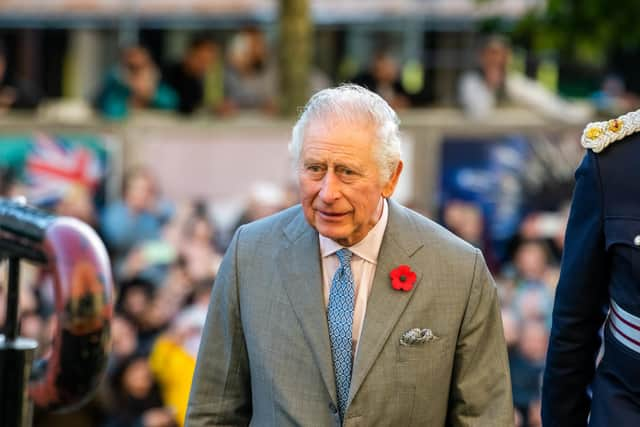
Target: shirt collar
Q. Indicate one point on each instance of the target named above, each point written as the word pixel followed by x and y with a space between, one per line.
pixel 367 248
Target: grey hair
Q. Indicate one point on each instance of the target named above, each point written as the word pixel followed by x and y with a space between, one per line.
pixel 353 103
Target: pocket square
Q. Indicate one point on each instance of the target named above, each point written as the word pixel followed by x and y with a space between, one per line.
pixel 417 336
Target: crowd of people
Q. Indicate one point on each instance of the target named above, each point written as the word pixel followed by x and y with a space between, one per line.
pixel 165 256
pixel 243 72
pixel 526 279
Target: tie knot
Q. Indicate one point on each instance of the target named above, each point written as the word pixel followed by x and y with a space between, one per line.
pixel 344 255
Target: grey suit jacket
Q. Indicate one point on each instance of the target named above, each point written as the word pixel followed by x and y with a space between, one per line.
pixel 265 357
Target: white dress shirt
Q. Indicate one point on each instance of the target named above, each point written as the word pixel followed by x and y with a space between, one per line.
pixel 363 268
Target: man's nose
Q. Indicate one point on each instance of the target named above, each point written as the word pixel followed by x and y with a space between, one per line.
pixel 330 189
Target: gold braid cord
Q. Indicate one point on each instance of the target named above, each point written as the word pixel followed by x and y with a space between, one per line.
pixel 598 135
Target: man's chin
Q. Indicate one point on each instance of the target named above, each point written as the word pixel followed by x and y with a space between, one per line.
pixel 333 234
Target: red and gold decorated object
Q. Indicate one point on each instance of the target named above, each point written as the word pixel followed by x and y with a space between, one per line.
pixel 75 257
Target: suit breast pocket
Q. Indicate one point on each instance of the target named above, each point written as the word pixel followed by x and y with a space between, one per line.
pixel 428 351
pixel 622 238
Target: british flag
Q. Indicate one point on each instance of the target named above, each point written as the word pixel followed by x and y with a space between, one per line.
pixel 55 164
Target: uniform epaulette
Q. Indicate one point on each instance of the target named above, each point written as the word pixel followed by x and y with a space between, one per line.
pixel 598 135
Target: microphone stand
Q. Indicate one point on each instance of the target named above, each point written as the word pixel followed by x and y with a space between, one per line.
pixel 16 357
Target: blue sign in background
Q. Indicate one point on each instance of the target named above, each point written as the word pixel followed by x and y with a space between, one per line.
pixel 494 173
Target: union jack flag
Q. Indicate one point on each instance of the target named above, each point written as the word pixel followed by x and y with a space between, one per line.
pixel 56 164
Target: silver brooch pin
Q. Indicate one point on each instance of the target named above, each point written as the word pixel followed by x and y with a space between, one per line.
pixel 417 336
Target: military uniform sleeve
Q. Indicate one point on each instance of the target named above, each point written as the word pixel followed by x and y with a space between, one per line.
pixel 481 385
pixel 580 306
pixel 221 391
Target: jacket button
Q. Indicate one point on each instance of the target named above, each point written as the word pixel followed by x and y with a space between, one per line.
pixel 333 408
pixel 636 240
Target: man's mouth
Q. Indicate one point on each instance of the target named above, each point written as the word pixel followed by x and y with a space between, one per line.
pixel 331 215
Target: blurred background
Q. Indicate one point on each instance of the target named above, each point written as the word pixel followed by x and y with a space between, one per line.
pixel 165 124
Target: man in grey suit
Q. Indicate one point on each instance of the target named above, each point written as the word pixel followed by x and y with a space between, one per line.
pixel 351 309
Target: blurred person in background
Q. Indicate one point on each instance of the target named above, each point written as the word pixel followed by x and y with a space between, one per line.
pixel 202 292
pixel 531 261
pixel 162 309
pixel 491 85
pixel 134 84
pixel 149 308
pixel 136 399
pixel 10 186
pixel 201 257
pixel 527 364
pixel 15 92
pixel 466 220
pixel 177 279
pixel 124 340
pixel 136 218
pixel 173 357
pixel 187 76
pixel 250 78
pixel 134 298
pixel 506 290
pixel 511 327
pixel 77 202
pixel 383 77
pixel 265 198
pixel 548 227
pixel 484 89
pixel 533 302
pixel 613 97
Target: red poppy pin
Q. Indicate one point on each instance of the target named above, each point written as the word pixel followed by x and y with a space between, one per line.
pixel 402 278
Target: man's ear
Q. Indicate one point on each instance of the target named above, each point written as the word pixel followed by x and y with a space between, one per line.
pixel 390 186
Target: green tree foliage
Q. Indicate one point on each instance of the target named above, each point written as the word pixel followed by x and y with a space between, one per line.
pixel 586 30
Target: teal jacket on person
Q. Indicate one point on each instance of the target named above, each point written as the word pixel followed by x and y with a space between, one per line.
pixel 113 99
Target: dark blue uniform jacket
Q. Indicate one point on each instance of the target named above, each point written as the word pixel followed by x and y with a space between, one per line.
pixel 601 260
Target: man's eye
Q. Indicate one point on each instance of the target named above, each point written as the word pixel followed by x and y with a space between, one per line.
pixel 315 170
pixel 346 172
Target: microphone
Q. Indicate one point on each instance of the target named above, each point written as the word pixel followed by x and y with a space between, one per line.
pixel 23 230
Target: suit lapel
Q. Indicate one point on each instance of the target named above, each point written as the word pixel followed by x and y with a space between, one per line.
pixel 301 275
pixel 385 305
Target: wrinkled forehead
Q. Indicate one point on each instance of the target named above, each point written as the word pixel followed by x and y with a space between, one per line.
pixel 331 126
pixel 329 119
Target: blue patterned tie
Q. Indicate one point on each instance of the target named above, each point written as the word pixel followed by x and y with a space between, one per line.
pixel 340 318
